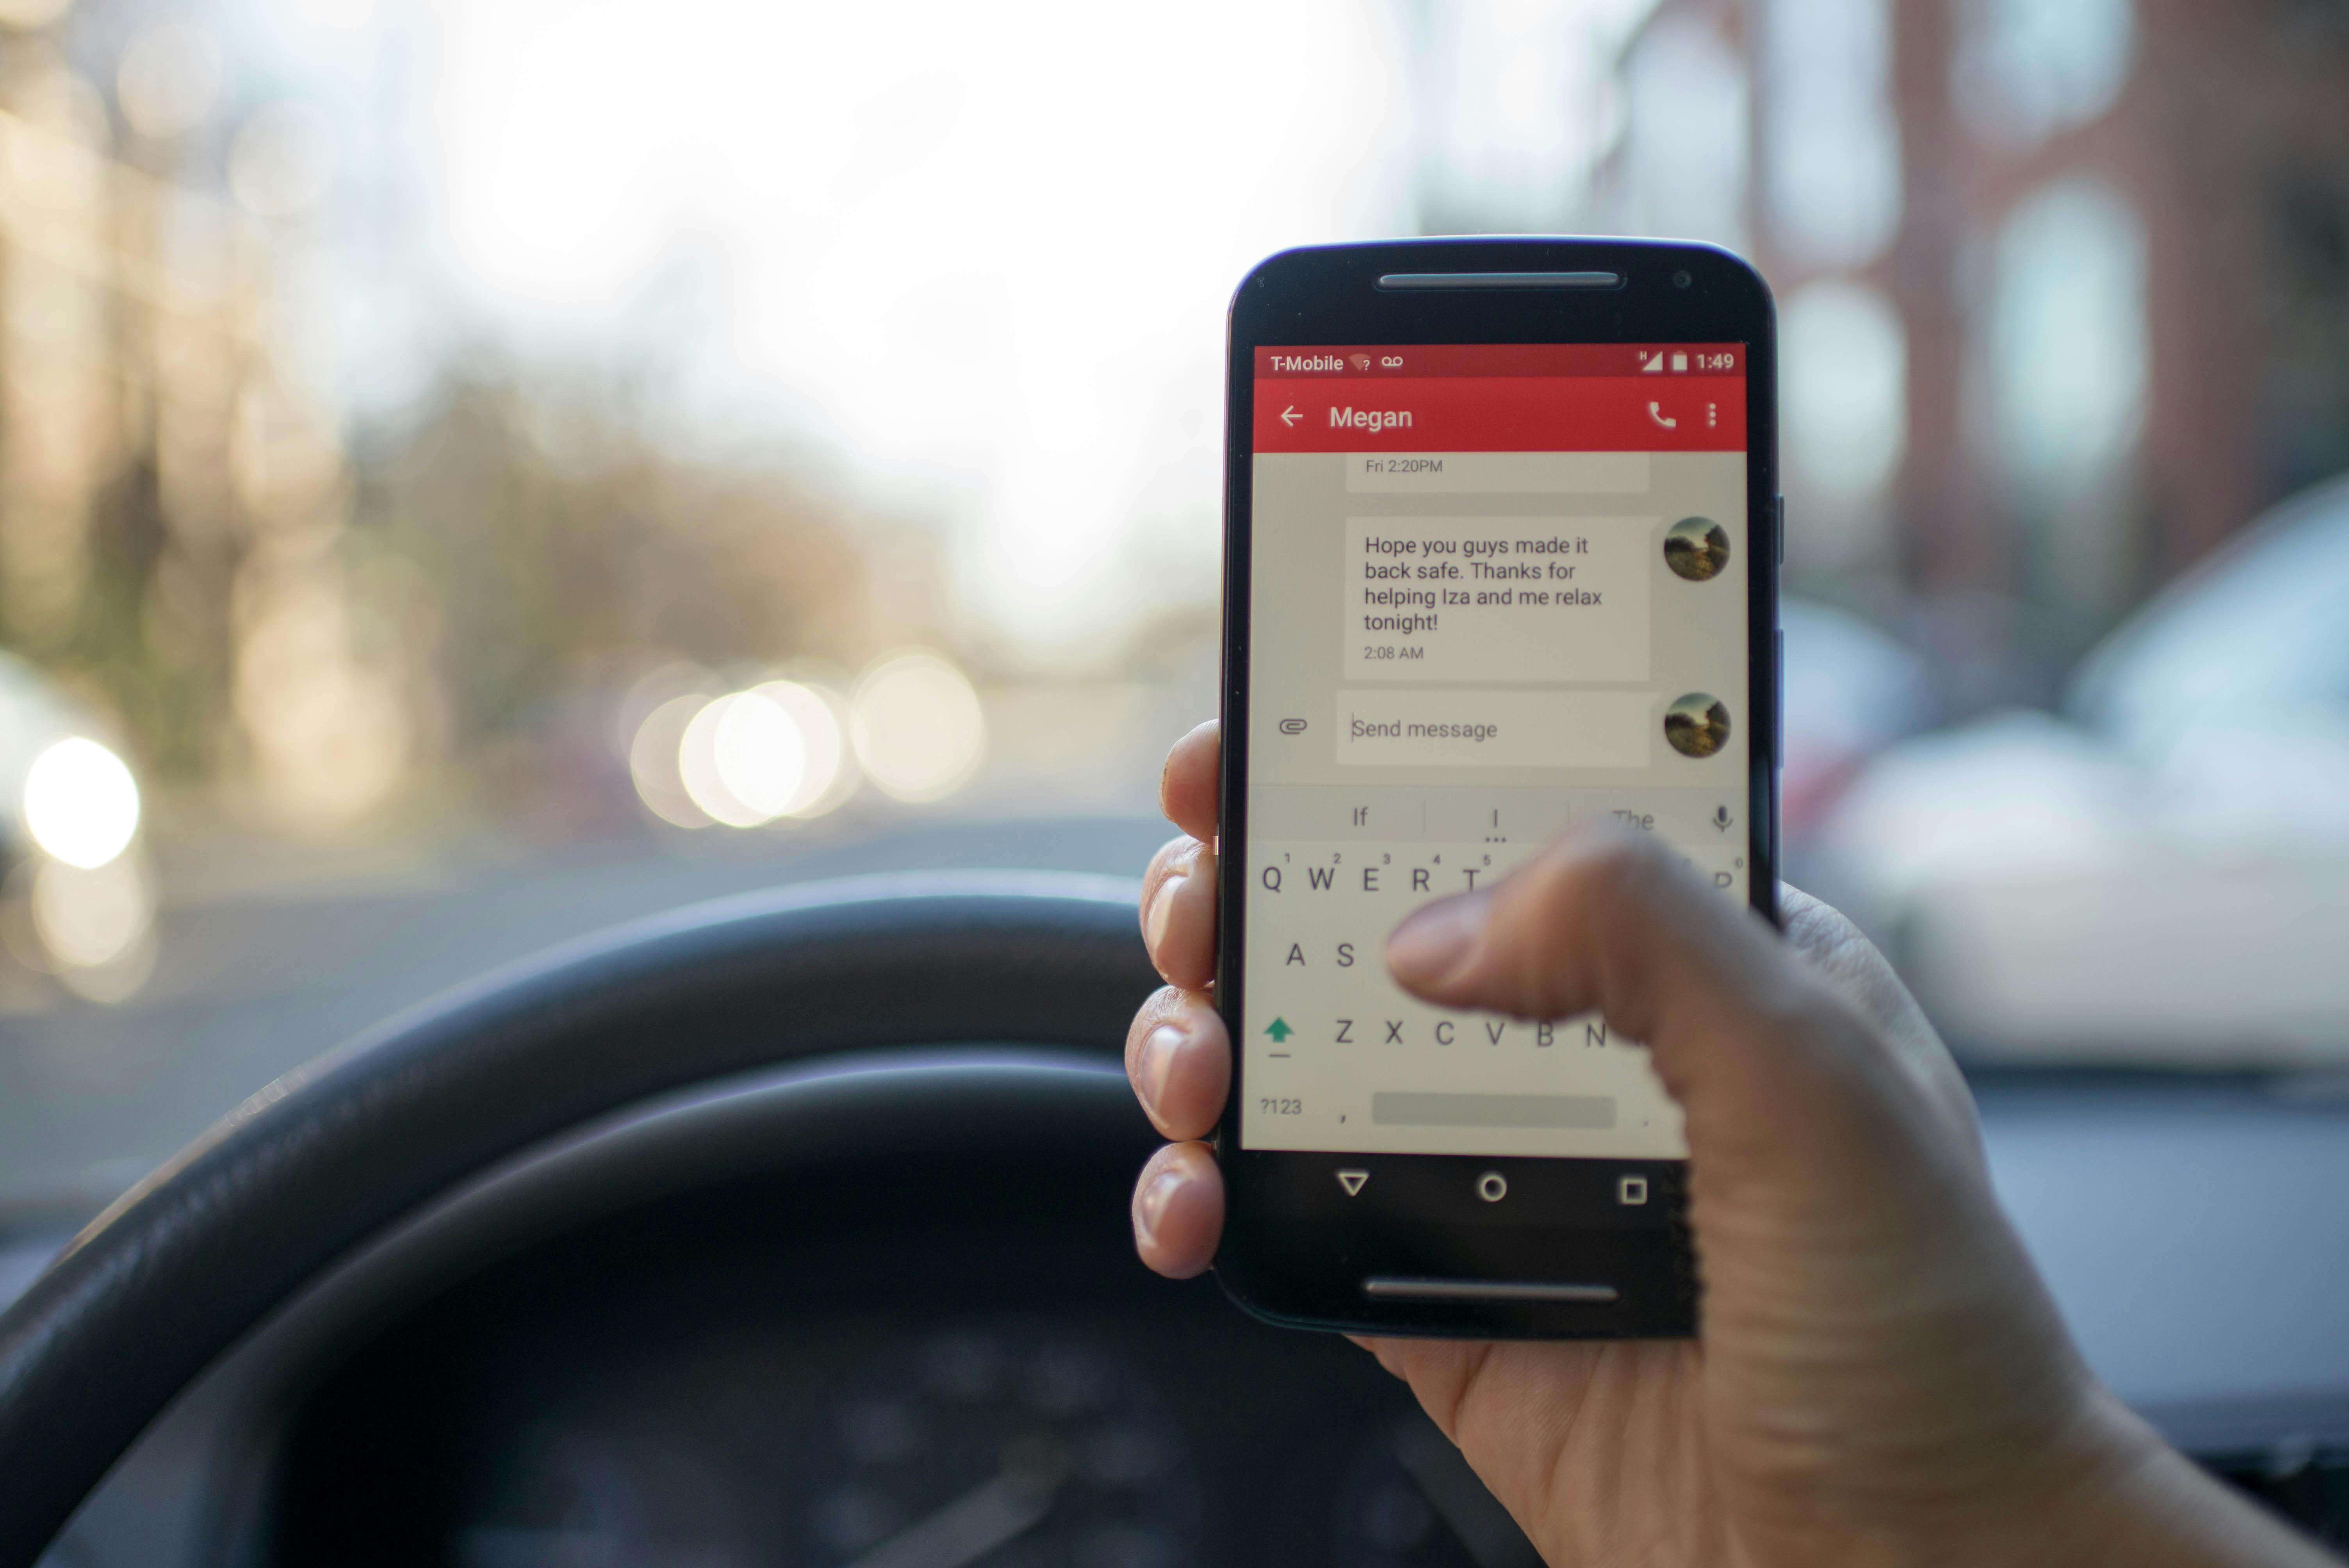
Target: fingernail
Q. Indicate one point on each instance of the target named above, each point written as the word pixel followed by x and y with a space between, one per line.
pixel 1150 1204
pixel 1432 943
pixel 1162 910
pixel 1156 1063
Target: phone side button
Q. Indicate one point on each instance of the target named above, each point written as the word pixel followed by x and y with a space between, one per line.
pixel 1391 1287
pixel 1782 531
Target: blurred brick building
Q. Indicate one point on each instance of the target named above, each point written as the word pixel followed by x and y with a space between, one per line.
pixel 2065 287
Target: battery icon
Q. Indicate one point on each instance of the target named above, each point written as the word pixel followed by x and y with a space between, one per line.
pixel 1680 364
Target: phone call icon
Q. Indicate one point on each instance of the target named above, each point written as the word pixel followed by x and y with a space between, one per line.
pixel 1656 412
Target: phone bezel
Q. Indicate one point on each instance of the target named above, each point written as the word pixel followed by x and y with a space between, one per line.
pixel 1291 1263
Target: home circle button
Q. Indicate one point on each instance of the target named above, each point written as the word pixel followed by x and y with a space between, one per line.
pixel 1492 1186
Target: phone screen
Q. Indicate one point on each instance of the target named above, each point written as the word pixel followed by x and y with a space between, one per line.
pixel 1495 590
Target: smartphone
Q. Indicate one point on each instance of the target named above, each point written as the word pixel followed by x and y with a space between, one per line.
pixel 1502 535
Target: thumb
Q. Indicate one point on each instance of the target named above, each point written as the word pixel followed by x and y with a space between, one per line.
pixel 1746 1037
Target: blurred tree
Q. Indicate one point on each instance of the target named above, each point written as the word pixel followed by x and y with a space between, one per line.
pixel 545 533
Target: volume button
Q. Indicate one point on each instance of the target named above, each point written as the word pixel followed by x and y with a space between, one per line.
pixel 1782 531
pixel 1778 707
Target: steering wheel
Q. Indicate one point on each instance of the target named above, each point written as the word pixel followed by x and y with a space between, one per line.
pixel 340 1151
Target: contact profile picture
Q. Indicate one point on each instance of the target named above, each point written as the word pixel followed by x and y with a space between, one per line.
pixel 1696 548
pixel 1697 725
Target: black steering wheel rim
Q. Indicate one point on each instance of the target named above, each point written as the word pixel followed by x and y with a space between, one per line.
pixel 171 1275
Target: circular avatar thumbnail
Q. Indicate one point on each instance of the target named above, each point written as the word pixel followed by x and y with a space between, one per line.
pixel 1697 725
pixel 1696 548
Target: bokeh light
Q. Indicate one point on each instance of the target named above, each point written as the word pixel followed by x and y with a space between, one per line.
pixel 827 777
pixel 654 756
pixel 90 917
pixel 917 725
pixel 777 750
pixel 758 752
pixel 80 804
pixel 705 783
pixel 169 78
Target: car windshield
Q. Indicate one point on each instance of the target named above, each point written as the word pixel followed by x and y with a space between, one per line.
pixel 476 471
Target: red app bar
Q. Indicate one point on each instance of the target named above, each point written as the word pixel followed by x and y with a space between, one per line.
pixel 1488 359
pixel 1639 413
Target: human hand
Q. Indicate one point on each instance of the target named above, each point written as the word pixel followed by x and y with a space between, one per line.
pixel 1881 1376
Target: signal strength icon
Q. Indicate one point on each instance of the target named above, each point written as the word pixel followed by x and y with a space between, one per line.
pixel 1652 364
pixel 1360 362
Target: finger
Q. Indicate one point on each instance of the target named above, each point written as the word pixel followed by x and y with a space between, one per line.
pixel 1174 858
pixel 1179 1060
pixel 1178 913
pixel 1178 1211
pixel 1602 919
pixel 1745 1035
pixel 1187 789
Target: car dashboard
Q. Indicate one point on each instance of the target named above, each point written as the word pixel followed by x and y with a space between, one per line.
pixel 912 1364
pixel 881 1311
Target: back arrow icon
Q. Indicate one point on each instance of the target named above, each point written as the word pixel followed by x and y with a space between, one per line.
pixel 1289 416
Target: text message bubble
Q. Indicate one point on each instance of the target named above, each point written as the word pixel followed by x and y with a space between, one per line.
pixel 1553 599
pixel 1495 729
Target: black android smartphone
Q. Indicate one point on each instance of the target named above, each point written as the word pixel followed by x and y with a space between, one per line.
pixel 1501 547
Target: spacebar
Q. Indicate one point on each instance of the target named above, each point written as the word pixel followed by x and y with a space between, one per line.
pixel 1390 1288
pixel 1390 1108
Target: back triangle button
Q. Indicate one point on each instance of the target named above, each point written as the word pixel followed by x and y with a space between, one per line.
pixel 1351 1180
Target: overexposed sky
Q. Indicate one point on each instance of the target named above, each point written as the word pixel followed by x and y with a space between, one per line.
pixel 981 254
pixel 977 257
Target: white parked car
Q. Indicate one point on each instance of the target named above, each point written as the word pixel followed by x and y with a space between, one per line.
pixel 2161 874
pixel 77 889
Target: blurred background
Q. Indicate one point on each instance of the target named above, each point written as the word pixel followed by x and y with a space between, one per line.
pixel 472 470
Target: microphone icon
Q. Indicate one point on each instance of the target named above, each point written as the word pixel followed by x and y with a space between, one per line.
pixel 1721 818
